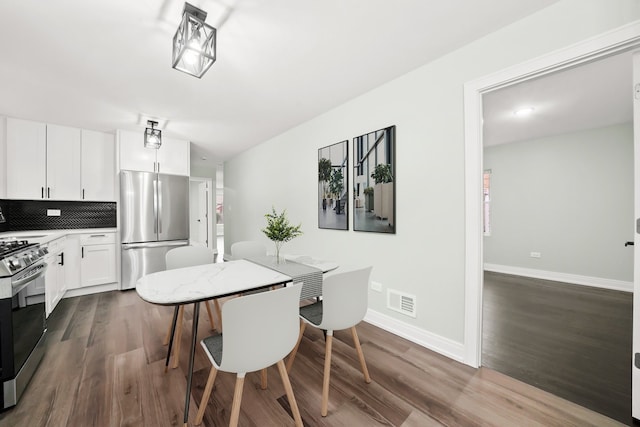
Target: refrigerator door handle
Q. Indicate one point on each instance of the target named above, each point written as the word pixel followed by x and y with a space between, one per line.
pixel 159 204
pixel 155 206
pixel 127 246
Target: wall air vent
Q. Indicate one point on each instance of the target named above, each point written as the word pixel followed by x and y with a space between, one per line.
pixel 401 302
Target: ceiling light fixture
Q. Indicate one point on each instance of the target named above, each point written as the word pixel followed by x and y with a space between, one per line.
pixel 523 112
pixel 152 136
pixel 194 45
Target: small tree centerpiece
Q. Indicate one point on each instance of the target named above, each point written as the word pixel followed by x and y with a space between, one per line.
pixel 279 230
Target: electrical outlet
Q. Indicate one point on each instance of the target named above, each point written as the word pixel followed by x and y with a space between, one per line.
pixel 535 254
pixel 376 286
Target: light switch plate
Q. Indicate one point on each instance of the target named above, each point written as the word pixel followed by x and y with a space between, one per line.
pixel 53 212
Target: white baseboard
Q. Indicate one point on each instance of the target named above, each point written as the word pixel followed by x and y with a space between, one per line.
pixel 444 346
pixel 596 282
pixel 70 293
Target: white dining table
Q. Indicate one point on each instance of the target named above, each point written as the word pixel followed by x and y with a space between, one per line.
pixel 192 285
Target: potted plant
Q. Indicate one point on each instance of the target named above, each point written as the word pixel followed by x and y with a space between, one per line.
pixel 324 174
pixel 336 186
pixel 382 173
pixel 383 191
pixel 279 230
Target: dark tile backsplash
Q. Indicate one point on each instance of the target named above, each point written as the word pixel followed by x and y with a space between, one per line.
pixel 26 215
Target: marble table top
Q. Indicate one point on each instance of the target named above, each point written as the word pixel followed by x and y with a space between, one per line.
pixel 203 282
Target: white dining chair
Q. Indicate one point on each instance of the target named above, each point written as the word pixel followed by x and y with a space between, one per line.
pixel 187 256
pixel 248 249
pixel 259 331
pixel 343 305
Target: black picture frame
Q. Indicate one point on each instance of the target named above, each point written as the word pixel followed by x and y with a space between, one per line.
pixel 374 181
pixel 333 186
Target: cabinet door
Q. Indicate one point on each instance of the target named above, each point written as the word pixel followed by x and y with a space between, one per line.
pixel 61 279
pixel 26 159
pixel 50 283
pixel 98 265
pixel 63 163
pixel 173 157
pixel 133 154
pixel 98 166
pixel 72 261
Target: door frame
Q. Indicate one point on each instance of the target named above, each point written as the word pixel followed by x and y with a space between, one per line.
pixel 209 182
pixel 618 40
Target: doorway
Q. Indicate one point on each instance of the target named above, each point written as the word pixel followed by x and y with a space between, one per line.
pixel 200 204
pixel 611 43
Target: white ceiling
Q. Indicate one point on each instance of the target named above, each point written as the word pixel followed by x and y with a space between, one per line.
pixel 101 64
pixel 588 96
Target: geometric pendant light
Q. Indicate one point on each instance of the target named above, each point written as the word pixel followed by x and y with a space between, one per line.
pixel 194 44
pixel 152 136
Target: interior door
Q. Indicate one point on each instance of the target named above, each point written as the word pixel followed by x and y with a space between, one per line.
pixel 203 205
pixel 636 257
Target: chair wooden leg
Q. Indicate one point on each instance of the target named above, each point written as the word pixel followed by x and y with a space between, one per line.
pixel 218 312
pixel 205 396
pixel 292 400
pixel 363 364
pixel 263 379
pixel 178 338
pixel 207 305
pixel 327 374
pixel 237 399
pixel 292 355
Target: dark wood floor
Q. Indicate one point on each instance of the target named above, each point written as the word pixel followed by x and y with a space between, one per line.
pixel 573 341
pixel 104 367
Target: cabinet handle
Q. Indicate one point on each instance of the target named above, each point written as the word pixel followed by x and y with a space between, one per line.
pixel 83 194
pixel 82 250
pixel 158 167
pixel 42 192
pixel 61 258
pixel 48 192
pixel 98 235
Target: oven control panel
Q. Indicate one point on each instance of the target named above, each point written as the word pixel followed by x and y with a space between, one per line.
pixel 20 258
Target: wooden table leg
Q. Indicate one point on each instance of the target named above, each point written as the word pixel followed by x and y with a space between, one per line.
pixel 194 333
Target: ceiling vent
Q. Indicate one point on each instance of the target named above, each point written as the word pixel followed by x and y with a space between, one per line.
pixel 401 302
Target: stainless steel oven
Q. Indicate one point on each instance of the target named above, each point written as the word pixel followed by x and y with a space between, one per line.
pixel 22 325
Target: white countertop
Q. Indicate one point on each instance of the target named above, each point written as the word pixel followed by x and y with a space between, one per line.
pixel 203 282
pixel 45 236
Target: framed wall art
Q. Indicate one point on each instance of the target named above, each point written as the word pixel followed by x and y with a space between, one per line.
pixel 374 181
pixel 333 186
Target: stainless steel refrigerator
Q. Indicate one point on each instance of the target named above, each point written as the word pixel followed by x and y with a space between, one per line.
pixel 154 218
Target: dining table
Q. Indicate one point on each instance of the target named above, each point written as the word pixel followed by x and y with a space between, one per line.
pixel 193 285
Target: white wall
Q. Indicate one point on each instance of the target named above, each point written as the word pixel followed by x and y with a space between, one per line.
pixel 426 256
pixel 568 197
pixel 3 158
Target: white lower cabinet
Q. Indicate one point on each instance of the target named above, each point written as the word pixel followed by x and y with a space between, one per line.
pixel 75 261
pixel 54 279
pixel 97 259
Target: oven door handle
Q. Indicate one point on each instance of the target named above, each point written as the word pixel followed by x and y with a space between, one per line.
pixel 21 283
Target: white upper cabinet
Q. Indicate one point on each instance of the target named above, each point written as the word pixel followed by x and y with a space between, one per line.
pixel 26 146
pixel 63 163
pixel 172 157
pixel 133 154
pixel 98 170
pixel 54 162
